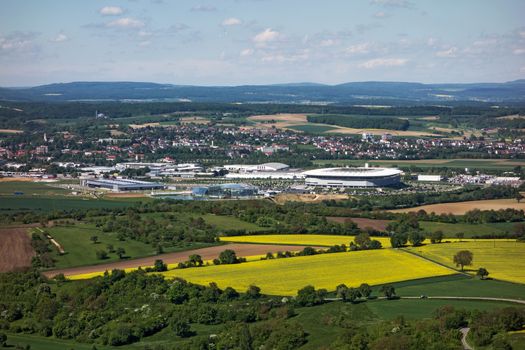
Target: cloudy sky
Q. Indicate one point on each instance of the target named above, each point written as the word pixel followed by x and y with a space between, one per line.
pixel 233 42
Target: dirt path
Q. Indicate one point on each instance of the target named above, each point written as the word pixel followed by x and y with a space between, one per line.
pixel 15 249
pixel 209 253
pixel 464 332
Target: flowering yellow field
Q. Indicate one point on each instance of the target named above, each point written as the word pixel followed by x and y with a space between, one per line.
pixel 503 259
pixel 322 240
pixel 314 240
pixel 286 276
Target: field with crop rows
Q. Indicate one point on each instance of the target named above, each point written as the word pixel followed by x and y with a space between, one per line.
pixel 286 276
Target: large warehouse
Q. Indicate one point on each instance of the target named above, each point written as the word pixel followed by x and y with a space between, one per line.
pixel 118 185
pixel 353 177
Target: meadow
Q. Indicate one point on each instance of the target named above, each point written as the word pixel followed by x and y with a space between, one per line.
pixel 502 258
pixel 496 164
pixel 80 250
pixel 286 276
pixel 460 208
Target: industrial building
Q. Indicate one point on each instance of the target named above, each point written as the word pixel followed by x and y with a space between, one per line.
pixel 119 185
pixel 243 168
pixel 353 177
pixel 225 191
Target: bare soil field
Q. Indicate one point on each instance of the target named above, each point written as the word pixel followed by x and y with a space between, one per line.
pixel 16 179
pixel 117 133
pixel 194 120
pixel 10 131
pixel 209 253
pixel 461 208
pixel 431 117
pixel 282 117
pixel 308 198
pixel 15 249
pixel 141 126
pixel 510 117
pixel 342 130
pixel 362 223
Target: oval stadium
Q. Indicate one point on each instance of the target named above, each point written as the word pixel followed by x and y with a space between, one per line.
pixel 353 177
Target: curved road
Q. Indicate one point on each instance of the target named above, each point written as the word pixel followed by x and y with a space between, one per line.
pixel 464 332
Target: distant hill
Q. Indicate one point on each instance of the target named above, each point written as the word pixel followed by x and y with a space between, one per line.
pixel 356 92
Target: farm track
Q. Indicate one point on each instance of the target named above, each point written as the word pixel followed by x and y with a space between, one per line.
pixel 209 253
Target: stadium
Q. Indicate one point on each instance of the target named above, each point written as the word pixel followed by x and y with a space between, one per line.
pixel 353 177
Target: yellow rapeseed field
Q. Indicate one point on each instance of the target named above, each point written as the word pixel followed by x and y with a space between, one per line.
pixel 320 240
pixel 286 276
pixel 314 240
pixel 503 259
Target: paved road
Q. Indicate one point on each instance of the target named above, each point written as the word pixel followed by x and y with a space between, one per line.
pixel 464 333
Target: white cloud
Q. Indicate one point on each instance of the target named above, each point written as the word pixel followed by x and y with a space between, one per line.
pixel 393 3
pixel 519 51
pixel 448 53
pixel 126 22
pixel 266 36
pixel 16 42
pixel 358 49
pixel 111 11
pixel 383 62
pixel 203 8
pixel 431 42
pixel 522 34
pixel 59 38
pixel 380 14
pixel 328 42
pixel 246 52
pixel 232 21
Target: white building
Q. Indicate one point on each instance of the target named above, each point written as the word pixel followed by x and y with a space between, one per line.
pixel 353 177
pixel 429 178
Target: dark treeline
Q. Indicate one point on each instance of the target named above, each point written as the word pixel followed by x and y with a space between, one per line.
pixel 361 122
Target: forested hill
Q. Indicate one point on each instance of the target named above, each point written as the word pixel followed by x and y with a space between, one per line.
pixel 389 93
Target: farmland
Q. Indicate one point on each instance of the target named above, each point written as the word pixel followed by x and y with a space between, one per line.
pixel 286 276
pixel 503 259
pixel 460 208
pixel 314 240
pixel 498 164
pixel 15 249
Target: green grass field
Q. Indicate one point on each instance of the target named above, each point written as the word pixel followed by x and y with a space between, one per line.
pixel 312 128
pixel 16 203
pixel 469 230
pixel 495 164
pixel 80 250
pixel 28 188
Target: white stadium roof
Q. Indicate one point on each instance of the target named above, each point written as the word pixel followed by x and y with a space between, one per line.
pixel 353 172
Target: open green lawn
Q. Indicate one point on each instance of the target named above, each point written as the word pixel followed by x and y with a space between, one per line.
pixel 28 188
pixel 461 286
pixel 496 164
pixel 41 343
pixel 22 203
pixel 80 250
pixel 312 128
pixel 469 230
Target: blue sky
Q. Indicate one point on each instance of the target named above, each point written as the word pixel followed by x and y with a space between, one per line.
pixel 233 42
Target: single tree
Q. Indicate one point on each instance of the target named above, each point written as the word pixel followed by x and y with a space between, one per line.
pixel 228 256
pixel 102 254
pixel 120 252
pixel 365 290
pixel 195 260
pixel 416 238
pixel 482 273
pixel 341 291
pixel 352 294
pixel 94 239
pixel 436 236
pixel 362 240
pixel 519 197
pixel 463 258
pixel 180 327
pixel 160 266
pixel 388 291
pixel 253 292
